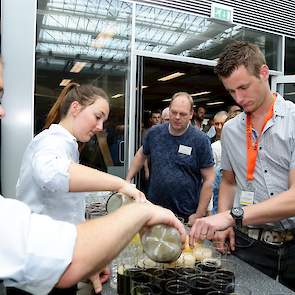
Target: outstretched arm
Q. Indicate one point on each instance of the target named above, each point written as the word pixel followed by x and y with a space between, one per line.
pixel 85 179
pixel 136 164
pixel 276 208
pixel 100 240
pixel 208 175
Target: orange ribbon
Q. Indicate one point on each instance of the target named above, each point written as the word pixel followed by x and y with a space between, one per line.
pixel 252 150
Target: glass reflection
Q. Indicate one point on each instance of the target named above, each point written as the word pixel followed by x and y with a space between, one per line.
pixel 85 42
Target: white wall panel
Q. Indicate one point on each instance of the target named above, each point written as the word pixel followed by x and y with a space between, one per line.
pixel 18 51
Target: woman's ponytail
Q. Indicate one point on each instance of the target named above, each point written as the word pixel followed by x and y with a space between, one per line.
pixel 54 115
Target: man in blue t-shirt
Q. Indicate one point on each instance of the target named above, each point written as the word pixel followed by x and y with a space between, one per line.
pixel 182 173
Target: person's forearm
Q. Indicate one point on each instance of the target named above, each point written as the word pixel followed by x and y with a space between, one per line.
pixel 136 164
pixel 86 179
pixel 277 208
pixel 101 239
pixel 226 196
pixel 205 197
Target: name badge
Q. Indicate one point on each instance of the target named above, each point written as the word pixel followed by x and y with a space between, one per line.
pixel 247 198
pixel 186 150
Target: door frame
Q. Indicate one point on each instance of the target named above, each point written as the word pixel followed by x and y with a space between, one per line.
pixel 132 86
pixel 283 79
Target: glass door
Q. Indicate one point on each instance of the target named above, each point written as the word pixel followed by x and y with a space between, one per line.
pixel 285 85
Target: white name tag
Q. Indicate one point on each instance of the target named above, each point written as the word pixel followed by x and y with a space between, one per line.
pixel 186 150
pixel 247 198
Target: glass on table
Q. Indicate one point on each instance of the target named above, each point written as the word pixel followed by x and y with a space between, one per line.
pixel 141 290
pixel 177 287
pixel 221 285
pixel 161 276
pixel 229 266
pixel 207 253
pixel 222 248
pixel 199 284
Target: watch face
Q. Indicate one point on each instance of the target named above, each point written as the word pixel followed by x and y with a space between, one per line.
pixel 237 211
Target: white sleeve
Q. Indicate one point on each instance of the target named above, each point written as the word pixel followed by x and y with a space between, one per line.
pixel 35 250
pixel 50 169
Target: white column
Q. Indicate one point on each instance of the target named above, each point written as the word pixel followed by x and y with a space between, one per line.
pixel 18 52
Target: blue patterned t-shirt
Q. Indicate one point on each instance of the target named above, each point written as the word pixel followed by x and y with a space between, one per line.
pixel 175 178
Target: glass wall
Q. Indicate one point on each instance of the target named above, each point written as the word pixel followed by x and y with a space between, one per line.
pixel 290 56
pixel 85 42
pixel 90 42
pixel 168 31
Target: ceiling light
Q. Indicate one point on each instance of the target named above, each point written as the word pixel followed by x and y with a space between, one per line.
pixel 65 82
pixel 118 95
pixel 214 103
pixel 201 93
pixel 172 76
pixel 167 99
pixel 143 87
pixel 78 66
pixel 289 93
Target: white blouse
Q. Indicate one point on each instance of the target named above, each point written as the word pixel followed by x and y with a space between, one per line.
pixel 43 183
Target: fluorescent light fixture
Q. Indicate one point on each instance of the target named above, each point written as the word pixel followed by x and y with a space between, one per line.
pixel 118 95
pixel 289 93
pixel 65 82
pixel 201 93
pixel 214 103
pixel 103 36
pixel 172 76
pixel 167 99
pixel 143 87
pixel 78 66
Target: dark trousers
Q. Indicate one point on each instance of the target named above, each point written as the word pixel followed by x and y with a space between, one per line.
pixel 274 261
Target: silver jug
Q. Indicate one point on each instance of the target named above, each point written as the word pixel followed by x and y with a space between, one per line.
pixel 162 243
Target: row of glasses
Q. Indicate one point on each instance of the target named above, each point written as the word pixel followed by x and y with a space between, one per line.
pixel 197 280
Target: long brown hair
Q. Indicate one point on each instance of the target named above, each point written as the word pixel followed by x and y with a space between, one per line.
pixel 84 94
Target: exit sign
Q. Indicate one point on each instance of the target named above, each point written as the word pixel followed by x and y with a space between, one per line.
pixel 222 12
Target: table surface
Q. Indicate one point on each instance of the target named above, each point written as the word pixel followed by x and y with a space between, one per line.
pixel 259 283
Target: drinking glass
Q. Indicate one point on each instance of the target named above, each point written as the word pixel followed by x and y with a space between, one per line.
pixel 141 290
pixel 177 287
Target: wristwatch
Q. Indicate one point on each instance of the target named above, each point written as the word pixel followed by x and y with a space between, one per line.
pixel 237 214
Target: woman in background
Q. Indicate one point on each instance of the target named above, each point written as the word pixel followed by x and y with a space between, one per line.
pixel 51 180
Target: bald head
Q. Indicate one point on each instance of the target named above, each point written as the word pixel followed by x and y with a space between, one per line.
pixel 219 120
pixel 180 112
pixel 165 115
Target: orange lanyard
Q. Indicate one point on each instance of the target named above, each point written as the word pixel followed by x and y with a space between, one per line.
pixel 252 150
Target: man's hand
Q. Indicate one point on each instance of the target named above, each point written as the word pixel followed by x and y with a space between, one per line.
pixel 160 215
pixel 131 191
pixel 205 228
pixel 99 278
pixel 222 237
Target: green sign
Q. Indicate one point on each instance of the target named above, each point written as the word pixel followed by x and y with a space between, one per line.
pixel 222 12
